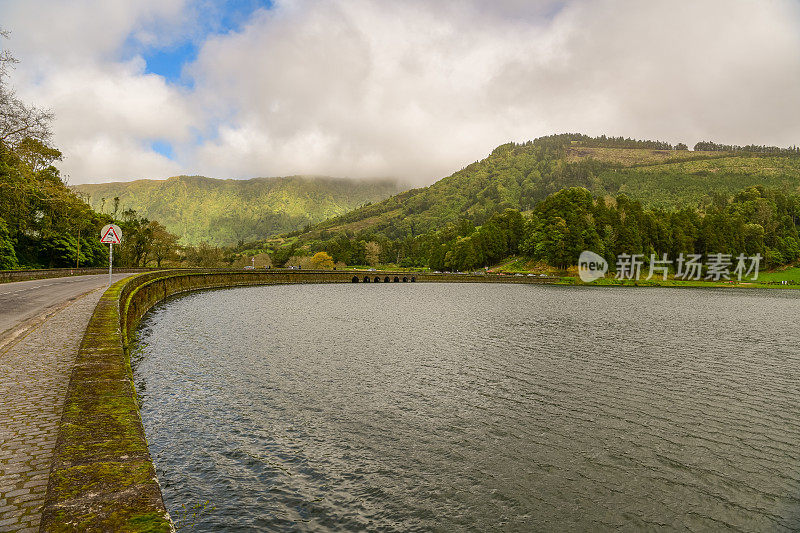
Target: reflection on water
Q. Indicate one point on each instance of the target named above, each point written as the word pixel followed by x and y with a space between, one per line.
pixel 456 406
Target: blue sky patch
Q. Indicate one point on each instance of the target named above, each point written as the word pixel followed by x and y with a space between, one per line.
pixel 217 17
pixel 164 148
pixel 168 62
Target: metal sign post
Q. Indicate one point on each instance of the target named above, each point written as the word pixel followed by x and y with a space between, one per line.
pixel 111 234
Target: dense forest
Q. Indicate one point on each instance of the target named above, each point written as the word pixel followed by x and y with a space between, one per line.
pixel 519 176
pixel 226 212
pixel 754 221
pixel 551 198
pixel 752 148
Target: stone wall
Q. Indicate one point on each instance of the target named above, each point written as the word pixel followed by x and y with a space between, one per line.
pixel 102 478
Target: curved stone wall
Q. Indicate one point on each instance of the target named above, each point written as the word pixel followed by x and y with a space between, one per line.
pixel 102 478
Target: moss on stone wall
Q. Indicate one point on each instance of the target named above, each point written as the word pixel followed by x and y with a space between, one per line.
pixel 102 477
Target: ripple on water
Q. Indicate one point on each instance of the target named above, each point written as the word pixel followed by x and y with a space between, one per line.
pixel 425 406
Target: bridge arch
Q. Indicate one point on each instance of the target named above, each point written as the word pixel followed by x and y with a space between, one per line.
pixel 366 279
pixel 355 279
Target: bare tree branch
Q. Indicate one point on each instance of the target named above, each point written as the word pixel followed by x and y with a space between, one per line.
pixel 18 120
pixel 6 59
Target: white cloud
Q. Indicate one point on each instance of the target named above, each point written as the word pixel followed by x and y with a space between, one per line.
pixel 417 89
pixel 77 31
pixel 412 89
pixel 108 110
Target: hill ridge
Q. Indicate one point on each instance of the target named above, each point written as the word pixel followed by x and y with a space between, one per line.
pixel 228 211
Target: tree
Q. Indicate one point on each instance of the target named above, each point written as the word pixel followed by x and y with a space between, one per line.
pixel 204 255
pixel 681 146
pixel 45 224
pixel 36 154
pixel 8 258
pixel 164 244
pixel 137 241
pixel 322 261
pixel 372 253
pixel 282 254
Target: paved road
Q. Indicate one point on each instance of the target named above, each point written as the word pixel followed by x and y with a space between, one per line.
pixel 21 301
pixel 41 326
pixel 34 375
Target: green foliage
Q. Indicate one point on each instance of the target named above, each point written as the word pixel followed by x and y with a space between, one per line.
pixel 188 516
pixel 752 148
pixel 756 220
pixel 8 257
pixel 571 192
pixel 227 212
pixel 519 176
pixel 280 256
pixel 204 255
pixel 45 223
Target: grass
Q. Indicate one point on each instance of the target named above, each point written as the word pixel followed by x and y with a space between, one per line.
pixel 523 265
pixel 771 280
pixel 791 273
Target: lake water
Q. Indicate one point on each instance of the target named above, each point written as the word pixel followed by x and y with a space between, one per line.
pixel 419 407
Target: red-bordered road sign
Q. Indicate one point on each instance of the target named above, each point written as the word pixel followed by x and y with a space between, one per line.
pixel 111 234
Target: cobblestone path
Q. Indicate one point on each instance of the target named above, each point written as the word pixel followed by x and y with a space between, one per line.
pixel 34 374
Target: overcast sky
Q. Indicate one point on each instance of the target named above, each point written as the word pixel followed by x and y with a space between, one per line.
pixel 413 89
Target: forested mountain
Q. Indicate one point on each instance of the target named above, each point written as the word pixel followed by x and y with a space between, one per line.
pixel 548 199
pixel 224 212
pixel 519 176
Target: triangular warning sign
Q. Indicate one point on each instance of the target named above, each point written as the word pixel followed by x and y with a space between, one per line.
pixel 110 237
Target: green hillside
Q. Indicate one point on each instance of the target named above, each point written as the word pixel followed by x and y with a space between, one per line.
pixel 544 201
pixel 224 212
pixel 519 176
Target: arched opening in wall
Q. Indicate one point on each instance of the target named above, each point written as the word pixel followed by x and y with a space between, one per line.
pixel 355 279
pixel 413 279
pixel 405 279
pixel 386 279
pixel 366 279
pixel 377 279
pixel 396 279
